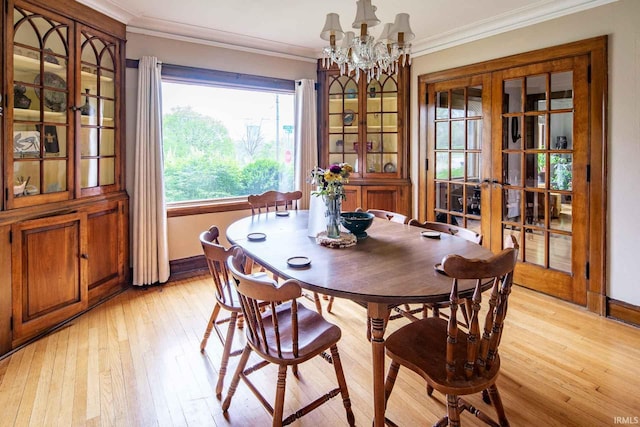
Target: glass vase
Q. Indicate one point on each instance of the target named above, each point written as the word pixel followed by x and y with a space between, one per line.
pixel 333 203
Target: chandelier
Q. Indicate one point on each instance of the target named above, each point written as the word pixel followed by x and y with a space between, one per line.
pixel 364 53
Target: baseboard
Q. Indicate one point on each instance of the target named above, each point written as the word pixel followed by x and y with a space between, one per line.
pixel 187 267
pixel 626 312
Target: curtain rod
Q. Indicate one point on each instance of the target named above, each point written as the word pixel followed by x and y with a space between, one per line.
pixel 182 72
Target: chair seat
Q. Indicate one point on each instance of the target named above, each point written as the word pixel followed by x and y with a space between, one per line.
pixel 421 347
pixel 315 334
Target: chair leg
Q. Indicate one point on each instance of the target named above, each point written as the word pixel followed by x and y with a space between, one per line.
pixel 497 403
pixel 330 305
pixel 280 389
pixel 316 299
pixel 344 391
pixel 228 343
pixel 390 381
pixel 429 390
pixel 207 332
pixel 236 377
pixel 452 410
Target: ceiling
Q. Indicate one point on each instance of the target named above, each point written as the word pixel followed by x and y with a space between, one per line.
pixel 291 28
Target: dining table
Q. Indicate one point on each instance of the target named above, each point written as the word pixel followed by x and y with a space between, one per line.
pixel 394 265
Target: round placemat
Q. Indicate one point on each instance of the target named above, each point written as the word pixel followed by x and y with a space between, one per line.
pixel 344 241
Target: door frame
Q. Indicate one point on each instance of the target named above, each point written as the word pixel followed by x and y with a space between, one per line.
pixel 596 49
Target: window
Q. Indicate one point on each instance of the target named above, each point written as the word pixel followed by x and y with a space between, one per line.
pixel 221 142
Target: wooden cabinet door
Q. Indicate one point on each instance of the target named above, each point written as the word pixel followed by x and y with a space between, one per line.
pixel 106 250
pixel 386 197
pixel 353 198
pixel 49 282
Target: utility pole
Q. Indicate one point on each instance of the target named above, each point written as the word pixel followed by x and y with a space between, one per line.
pixel 277 128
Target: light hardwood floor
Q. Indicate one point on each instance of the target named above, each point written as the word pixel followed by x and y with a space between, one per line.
pixel 135 361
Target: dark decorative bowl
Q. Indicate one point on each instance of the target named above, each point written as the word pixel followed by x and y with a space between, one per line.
pixel 357 222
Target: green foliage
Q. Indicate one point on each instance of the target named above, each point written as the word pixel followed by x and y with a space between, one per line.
pixel 187 133
pixel 260 176
pixel 200 161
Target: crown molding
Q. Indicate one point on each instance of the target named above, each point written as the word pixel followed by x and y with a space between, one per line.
pixel 226 40
pixel 518 18
pixel 540 11
pixel 111 9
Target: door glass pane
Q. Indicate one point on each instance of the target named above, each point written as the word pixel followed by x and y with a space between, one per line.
pixel 457 135
pixel 535 170
pixel 26 178
pixel 511 206
pixel 560 252
pixel 442 196
pixel 512 100
pixel 473 199
pixel 89 177
pixel 512 168
pixel 474 167
pixel 107 171
pixel 561 171
pixel 55 176
pixel 535 135
pixel 536 98
pixel 442 165
pixel 534 246
pixel 442 105
pixel 442 135
pixel 456 200
pixel 474 101
pixel 562 90
pixel 561 211
pixel 474 134
pixel 512 133
pixel 457 165
pixel 561 127
pixel 534 208
pixel 457 103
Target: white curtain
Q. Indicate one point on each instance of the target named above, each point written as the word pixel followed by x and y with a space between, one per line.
pixel 150 249
pixel 306 138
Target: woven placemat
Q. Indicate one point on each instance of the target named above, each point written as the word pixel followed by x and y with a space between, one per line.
pixel 344 241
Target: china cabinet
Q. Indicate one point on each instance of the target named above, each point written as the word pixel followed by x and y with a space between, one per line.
pixel 64 214
pixel 365 123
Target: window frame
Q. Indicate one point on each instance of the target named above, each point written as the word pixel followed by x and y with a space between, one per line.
pixel 223 79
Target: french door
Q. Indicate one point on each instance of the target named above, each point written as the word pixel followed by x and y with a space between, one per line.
pixel 508 153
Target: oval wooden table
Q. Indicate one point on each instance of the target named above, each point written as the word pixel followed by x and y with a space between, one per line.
pixel 393 266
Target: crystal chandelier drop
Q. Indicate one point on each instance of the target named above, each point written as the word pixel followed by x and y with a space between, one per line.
pixel 364 53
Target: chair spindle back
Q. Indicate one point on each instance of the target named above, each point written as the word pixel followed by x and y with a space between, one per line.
pixel 258 293
pixel 274 199
pixel 480 352
pixel 455 230
pixel 216 256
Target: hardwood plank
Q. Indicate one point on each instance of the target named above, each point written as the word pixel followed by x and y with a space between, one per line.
pixel 136 361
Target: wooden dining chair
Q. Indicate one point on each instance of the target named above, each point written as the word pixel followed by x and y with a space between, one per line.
pixel 226 299
pixel 452 361
pixel 391 216
pixel 285 334
pixel 455 230
pixel 273 200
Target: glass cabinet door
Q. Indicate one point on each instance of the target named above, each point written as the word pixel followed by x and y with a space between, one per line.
pixel 38 108
pixel 344 116
pixel 382 125
pixel 363 124
pixel 97 138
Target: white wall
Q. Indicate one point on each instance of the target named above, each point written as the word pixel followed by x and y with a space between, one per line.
pixel 621 21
